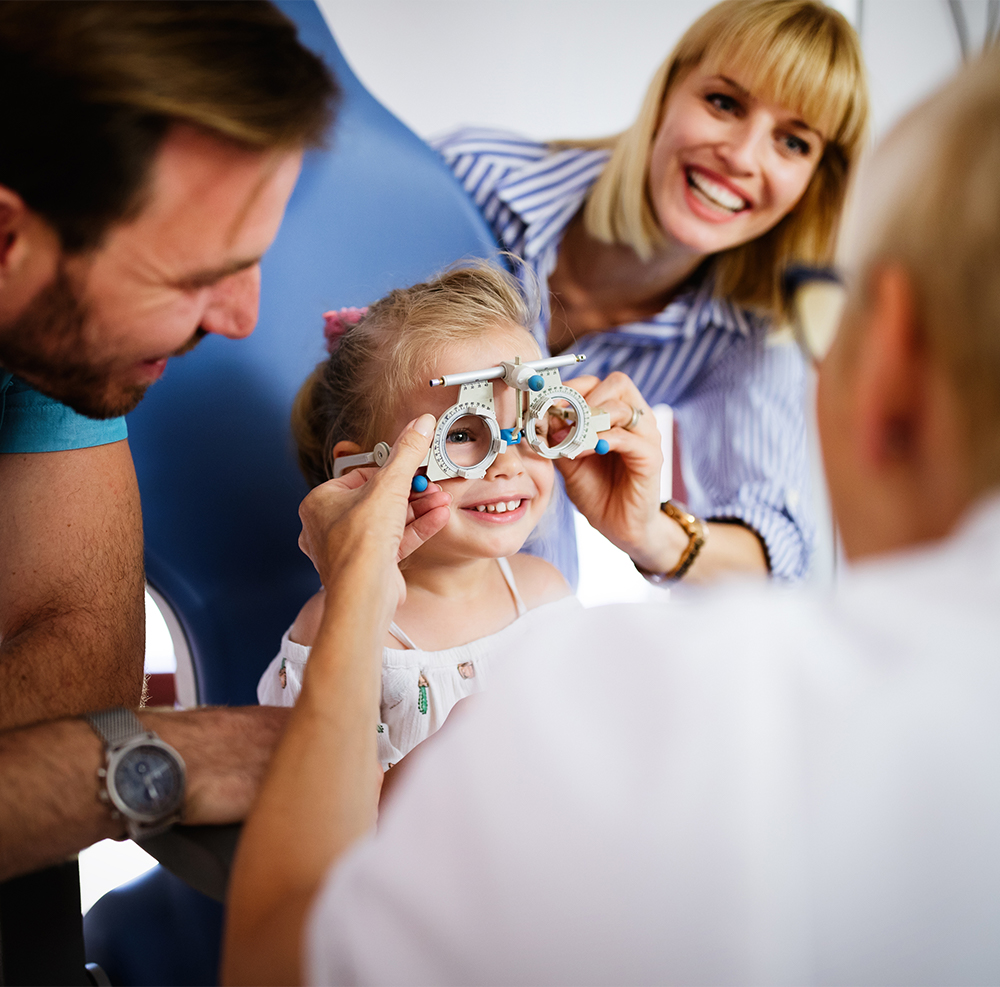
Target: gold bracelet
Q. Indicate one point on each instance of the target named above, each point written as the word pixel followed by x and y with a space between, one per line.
pixel 697 532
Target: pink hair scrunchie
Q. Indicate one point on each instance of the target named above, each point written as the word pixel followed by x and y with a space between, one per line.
pixel 336 323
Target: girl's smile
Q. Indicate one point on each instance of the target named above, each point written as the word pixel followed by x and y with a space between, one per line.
pixel 500 511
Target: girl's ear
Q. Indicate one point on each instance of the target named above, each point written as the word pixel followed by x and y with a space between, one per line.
pixel 345 448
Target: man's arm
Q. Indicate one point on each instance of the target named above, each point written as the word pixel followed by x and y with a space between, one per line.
pixel 48 778
pixel 72 617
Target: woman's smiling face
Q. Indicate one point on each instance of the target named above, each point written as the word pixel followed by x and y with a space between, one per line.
pixel 725 166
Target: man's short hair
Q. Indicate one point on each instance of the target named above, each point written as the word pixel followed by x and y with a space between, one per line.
pixel 90 88
pixel 931 202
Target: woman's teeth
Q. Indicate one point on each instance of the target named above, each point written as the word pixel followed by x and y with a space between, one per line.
pixel 718 194
pixel 501 508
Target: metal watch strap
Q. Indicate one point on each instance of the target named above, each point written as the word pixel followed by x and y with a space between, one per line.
pixel 121 730
pixel 697 532
pixel 115 726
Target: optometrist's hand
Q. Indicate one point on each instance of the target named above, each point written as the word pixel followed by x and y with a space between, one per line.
pixel 619 493
pixel 371 514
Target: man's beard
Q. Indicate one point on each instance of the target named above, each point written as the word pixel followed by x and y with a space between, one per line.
pixel 45 346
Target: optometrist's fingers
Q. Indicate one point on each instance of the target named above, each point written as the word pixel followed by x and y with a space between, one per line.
pixel 423 503
pixel 430 511
pixel 357 477
pixel 617 395
pixel 585 383
pixel 419 503
pixel 426 515
pixel 417 496
pixel 424 526
pixel 365 517
pixel 640 447
pixel 619 493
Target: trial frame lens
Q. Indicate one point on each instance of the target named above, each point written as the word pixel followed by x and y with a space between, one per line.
pixel 815 297
pixel 466 460
pixel 567 407
pixel 468 441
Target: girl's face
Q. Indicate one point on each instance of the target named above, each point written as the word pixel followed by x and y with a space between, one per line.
pixel 491 517
pixel 725 166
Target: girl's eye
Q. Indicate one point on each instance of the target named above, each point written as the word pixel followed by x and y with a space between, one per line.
pixel 796 145
pixel 722 102
pixel 460 435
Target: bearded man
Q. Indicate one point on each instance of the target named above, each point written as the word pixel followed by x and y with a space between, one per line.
pixel 148 153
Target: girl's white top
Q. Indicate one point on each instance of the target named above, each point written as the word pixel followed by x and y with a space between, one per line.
pixel 419 688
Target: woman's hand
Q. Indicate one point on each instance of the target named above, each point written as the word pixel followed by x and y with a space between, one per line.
pixel 619 493
pixel 374 506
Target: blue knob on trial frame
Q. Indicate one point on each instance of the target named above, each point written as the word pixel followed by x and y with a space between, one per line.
pixel 602 447
pixel 537 382
pixel 419 484
pixel 511 435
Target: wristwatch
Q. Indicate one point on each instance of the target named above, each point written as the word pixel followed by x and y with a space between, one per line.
pixel 697 532
pixel 143 779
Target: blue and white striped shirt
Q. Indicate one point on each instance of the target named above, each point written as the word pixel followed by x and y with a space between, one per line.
pixel 738 394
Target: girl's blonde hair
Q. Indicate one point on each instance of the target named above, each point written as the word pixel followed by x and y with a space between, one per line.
pixel 353 395
pixel 798 53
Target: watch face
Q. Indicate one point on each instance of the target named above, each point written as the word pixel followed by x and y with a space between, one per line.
pixel 148 780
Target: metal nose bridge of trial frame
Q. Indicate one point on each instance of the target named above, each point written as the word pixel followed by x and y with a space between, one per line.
pixel 538 386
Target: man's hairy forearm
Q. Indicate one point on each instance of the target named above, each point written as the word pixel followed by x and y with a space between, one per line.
pixel 49 807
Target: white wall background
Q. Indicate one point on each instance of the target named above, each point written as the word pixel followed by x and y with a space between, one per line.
pixel 554 68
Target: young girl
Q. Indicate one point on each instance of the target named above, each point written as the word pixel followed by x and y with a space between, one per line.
pixel 467 584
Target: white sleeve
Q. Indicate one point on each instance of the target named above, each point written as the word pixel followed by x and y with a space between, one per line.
pixel 291 660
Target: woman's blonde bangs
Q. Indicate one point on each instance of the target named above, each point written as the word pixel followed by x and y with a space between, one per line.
pixel 801 59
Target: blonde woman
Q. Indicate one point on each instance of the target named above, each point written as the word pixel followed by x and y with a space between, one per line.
pixel 661 250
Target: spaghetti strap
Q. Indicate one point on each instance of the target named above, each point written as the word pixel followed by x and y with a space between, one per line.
pixel 509 576
pixel 400 635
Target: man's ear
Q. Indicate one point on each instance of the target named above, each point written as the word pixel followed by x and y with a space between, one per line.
pixel 892 370
pixel 29 253
pixel 345 448
pixel 13 213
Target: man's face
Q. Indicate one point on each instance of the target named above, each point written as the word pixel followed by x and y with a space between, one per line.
pixel 188 264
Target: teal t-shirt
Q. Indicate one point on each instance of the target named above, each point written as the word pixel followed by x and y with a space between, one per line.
pixel 31 422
